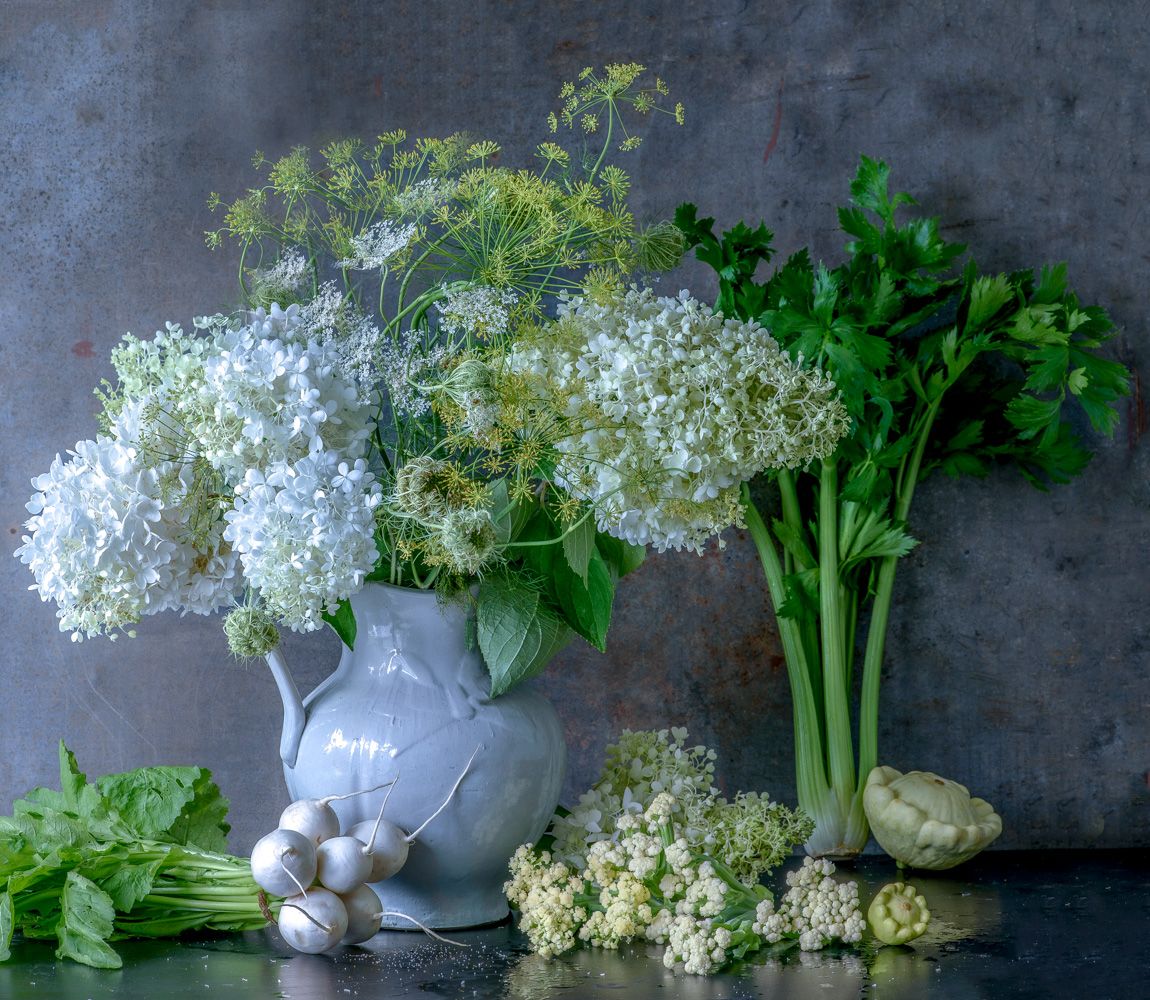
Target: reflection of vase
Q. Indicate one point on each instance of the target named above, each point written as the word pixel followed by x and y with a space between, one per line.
pixel 412 701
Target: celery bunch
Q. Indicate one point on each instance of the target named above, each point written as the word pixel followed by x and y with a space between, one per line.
pixel 939 371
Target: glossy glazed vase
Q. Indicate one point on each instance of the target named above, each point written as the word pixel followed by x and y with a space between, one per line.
pixel 412 701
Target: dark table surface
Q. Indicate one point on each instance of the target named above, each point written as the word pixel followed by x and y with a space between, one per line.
pixel 1053 924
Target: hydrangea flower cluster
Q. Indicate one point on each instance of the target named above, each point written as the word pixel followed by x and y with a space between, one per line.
pixel 816 909
pixel 750 834
pixel 651 884
pixel 304 534
pixel 232 458
pixel 107 550
pixel 673 407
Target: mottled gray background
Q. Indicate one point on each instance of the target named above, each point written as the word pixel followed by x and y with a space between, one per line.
pixel 1019 647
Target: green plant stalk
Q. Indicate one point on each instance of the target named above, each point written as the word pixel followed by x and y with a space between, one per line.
pixel 880 609
pixel 819 656
pixel 808 743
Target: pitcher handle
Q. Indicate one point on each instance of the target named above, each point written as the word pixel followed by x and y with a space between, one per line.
pixel 294 715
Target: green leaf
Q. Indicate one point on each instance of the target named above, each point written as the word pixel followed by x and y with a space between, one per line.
pixel 1051 285
pixel 987 297
pixel 7 925
pixel 130 883
pixel 343 622
pixel 518 633
pixel 621 557
pixel 502 512
pixel 179 805
pixel 578 545
pixel 203 822
pixel 150 799
pixel 1031 415
pixel 587 607
pixel 86 923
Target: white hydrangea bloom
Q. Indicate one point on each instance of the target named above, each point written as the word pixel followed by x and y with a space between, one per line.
pixel 674 407
pixel 107 549
pixel 270 397
pixel 305 534
pixel 377 244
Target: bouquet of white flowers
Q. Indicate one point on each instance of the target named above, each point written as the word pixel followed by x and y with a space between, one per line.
pixel 445 375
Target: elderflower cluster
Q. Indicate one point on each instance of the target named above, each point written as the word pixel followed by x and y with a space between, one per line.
pixel 674 407
pixel 816 909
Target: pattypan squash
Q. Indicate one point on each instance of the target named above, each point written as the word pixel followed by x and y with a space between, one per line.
pixel 897 914
pixel 924 821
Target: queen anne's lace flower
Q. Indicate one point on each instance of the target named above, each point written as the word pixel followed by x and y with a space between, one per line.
pixel 480 311
pixel 673 408
pixel 304 534
pixel 379 243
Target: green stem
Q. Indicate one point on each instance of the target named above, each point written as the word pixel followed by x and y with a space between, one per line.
pixel 812 784
pixel 880 610
pixel 836 697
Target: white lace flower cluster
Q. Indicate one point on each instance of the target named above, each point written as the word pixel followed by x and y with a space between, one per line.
pixel 230 456
pixel 816 909
pixel 284 280
pixel 378 244
pixel 673 408
pixel 652 884
pixel 478 311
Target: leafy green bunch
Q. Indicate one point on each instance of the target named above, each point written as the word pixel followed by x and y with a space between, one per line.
pixel 940 369
pixel 137 854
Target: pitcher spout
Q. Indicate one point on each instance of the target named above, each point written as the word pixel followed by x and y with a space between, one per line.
pixel 294 715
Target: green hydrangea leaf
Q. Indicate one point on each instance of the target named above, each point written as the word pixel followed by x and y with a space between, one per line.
pixel 518 632
pixel 343 623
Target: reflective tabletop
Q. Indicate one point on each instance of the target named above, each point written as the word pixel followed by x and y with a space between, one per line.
pixel 1056 924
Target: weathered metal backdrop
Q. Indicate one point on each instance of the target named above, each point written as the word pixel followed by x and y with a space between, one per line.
pixel 1019 647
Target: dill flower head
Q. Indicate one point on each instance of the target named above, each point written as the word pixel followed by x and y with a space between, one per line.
pixel 426 488
pixel 673 407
